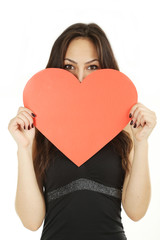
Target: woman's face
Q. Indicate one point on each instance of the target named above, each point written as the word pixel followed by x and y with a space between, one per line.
pixel 81 58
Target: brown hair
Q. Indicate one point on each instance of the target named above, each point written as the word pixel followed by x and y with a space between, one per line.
pixel 42 146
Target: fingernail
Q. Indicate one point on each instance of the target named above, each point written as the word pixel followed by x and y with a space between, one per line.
pixel 28 127
pixel 131 122
pixel 135 125
pixel 32 125
pixel 130 115
pixel 33 114
pixel 24 127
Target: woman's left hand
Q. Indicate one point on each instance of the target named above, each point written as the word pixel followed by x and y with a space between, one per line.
pixel 145 121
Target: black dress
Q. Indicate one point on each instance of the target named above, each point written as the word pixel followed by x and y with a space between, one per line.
pixel 84 203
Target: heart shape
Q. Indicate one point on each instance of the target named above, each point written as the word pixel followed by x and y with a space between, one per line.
pixel 79 118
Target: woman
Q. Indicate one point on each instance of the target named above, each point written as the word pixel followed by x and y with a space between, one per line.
pixel 117 173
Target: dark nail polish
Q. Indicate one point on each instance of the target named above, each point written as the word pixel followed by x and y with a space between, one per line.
pixel 24 127
pixel 28 127
pixel 33 114
pixel 130 115
pixel 131 122
pixel 32 125
pixel 135 125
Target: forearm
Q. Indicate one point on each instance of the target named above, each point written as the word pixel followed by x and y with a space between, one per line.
pixel 138 190
pixel 29 202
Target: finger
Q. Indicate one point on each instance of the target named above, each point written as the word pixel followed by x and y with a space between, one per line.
pixel 138 106
pixel 26 109
pixel 143 119
pixel 140 118
pixel 133 108
pixel 28 120
pixel 15 124
pixel 146 120
pixel 138 124
pixel 140 110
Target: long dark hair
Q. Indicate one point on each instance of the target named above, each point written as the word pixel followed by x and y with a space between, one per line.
pixel 42 147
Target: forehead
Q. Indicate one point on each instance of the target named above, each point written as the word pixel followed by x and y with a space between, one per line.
pixel 81 47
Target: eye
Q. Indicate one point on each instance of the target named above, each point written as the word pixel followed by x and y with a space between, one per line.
pixel 68 66
pixel 93 67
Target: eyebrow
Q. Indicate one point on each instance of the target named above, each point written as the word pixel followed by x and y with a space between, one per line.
pixel 85 63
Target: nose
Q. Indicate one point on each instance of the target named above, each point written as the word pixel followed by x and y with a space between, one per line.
pixel 80 74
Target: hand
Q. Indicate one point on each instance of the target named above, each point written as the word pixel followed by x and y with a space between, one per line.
pixel 21 128
pixel 145 121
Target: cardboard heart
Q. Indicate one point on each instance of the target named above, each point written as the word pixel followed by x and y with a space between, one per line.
pixel 79 118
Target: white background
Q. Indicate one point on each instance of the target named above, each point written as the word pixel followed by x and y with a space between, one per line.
pixel 28 31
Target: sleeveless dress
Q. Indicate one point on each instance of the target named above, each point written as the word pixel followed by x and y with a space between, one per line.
pixel 84 203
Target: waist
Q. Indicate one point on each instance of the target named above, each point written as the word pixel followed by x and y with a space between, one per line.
pixel 83 213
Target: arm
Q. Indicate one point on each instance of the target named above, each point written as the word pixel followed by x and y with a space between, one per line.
pixel 29 202
pixel 137 187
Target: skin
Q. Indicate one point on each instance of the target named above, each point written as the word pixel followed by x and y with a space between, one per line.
pixel 81 51
pixel 136 192
pixel 29 202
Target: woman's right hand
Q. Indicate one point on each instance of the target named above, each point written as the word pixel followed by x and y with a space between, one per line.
pixel 24 118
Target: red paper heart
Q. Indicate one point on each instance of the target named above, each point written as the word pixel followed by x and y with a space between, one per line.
pixel 79 118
